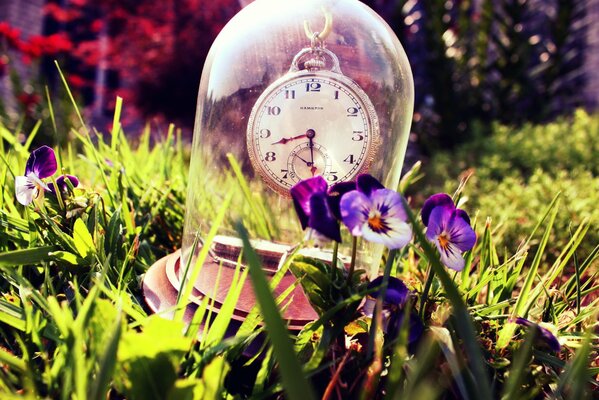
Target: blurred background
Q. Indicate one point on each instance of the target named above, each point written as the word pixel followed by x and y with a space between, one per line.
pixel 507 91
pixel 474 61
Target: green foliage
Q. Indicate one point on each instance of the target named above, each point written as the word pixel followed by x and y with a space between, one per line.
pixel 517 171
pixel 511 60
pixel 73 325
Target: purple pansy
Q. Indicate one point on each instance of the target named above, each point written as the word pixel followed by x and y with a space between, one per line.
pixel 61 183
pixel 396 296
pixel 311 202
pixel 546 336
pixel 376 213
pixel 449 228
pixel 41 164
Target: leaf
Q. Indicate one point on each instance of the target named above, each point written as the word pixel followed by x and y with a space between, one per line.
pixel 107 362
pixel 32 256
pixel 294 382
pixel 506 334
pixel 148 360
pixel 573 383
pixel 67 257
pixel 84 243
pixel 464 325
pixel 522 355
pixel 12 315
pixel 213 378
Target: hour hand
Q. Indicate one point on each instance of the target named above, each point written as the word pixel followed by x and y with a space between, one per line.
pixel 289 139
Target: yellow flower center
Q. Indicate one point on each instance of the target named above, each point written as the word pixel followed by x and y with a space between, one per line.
pixel 377 224
pixel 444 240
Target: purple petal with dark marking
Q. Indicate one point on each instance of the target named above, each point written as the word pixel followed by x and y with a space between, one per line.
pixel 452 235
pixel 463 214
pixel 460 232
pixel 367 184
pixel 439 199
pixel 62 184
pixel 547 337
pixel 334 196
pixel 396 293
pixel 301 193
pixel 41 162
pixel 389 225
pixel 321 219
pixel 437 222
pixel 354 208
pixel 451 256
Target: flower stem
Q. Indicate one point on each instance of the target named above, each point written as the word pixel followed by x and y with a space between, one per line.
pixel 334 261
pixel 352 265
pixel 378 306
pixel 427 288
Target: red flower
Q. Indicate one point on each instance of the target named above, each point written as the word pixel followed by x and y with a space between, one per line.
pixel 11 34
pixel 29 101
pixel 76 81
pixel 3 64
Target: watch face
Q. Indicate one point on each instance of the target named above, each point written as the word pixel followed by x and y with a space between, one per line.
pixel 312 123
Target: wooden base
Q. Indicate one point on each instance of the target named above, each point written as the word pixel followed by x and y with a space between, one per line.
pixel 161 284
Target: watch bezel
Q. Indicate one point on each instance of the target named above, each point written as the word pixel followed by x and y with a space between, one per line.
pixel 351 85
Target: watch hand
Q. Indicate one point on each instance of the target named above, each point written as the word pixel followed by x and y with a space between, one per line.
pixel 285 140
pixel 310 133
pixel 308 163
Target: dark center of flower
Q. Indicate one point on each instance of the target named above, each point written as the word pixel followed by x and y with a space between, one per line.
pixel 444 240
pixel 377 224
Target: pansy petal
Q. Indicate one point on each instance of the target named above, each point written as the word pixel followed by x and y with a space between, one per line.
pixel 451 256
pixel 62 184
pixel 415 329
pixel 334 196
pixel 388 203
pixel 321 219
pixel 41 162
pixel 398 235
pixel 366 184
pixel 463 214
pixel 387 224
pixel 547 337
pixel 25 190
pixel 438 221
pixel 439 199
pixel 354 208
pixel 301 193
pixel 461 233
pixel 396 293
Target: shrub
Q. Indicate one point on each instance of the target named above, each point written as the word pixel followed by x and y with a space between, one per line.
pixel 517 172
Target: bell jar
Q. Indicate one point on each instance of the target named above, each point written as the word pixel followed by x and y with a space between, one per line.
pixel 290 90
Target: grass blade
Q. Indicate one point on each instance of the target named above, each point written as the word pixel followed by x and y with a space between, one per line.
pixel 512 388
pixel 295 384
pixel 464 325
pixel 107 362
pixel 27 256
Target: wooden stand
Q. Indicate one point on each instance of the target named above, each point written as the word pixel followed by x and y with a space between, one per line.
pixel 162 282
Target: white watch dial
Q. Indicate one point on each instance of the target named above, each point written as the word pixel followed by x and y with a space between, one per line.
pixel 308 124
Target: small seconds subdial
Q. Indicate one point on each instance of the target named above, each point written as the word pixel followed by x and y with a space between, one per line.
pixel 308 124
pixel 306 161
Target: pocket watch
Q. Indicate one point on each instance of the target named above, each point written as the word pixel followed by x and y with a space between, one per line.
pixel 312 121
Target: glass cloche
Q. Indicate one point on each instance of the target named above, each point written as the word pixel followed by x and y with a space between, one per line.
pixel 291 90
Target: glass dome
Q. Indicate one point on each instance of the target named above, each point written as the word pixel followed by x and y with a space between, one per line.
pixel 291 90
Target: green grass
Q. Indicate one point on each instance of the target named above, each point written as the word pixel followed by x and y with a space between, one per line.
pixel 73 323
